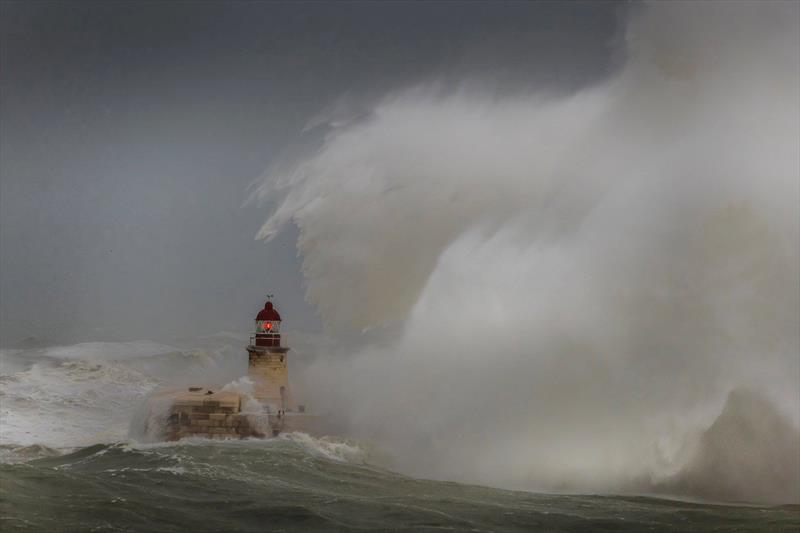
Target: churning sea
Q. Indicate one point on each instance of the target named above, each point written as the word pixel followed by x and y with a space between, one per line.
pixel 69 462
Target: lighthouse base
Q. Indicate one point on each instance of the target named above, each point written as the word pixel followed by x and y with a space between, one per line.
pixel 201 412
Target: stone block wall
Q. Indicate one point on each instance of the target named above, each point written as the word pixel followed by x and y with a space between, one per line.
pixel 269 371
pixel 214 415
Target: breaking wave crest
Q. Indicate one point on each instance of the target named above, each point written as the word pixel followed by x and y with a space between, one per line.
pixel 333 448
pixel 750 452
pixel 563 290
pixel 69 396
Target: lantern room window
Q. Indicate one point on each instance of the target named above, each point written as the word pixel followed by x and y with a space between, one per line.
pixel 268 326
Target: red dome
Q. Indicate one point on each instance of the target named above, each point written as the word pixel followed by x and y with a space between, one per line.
pixel 268 313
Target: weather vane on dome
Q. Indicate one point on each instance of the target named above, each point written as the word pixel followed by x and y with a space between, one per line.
pixel 270 296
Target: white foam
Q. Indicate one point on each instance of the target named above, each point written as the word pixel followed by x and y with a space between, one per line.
pixel 331 448
pixel 576 275
pixel 108 350
pixel 68 396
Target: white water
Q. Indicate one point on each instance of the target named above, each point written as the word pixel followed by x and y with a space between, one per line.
pixel 579 280
pixel 58 398
pixel 68 396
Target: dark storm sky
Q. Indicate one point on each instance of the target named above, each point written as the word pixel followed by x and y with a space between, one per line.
pixel 130 132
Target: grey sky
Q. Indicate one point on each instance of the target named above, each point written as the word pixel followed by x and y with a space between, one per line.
pixel 130 132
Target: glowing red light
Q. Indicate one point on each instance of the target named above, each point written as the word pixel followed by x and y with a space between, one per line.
pixel 268 325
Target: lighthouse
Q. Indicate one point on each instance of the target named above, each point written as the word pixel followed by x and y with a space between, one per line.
pixel 219 411
pixel 267 361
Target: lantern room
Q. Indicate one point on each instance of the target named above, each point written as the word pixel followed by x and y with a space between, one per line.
pixel 268 326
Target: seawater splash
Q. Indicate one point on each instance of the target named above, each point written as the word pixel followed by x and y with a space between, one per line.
pixel 579 280
pixel 245 386
pixel 68 396
pixel 333 448
pixel 750 449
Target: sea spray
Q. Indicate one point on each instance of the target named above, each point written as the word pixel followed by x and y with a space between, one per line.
pixel 68 396
pixel 570 283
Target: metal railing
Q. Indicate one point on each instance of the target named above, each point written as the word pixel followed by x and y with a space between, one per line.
pixel 279 342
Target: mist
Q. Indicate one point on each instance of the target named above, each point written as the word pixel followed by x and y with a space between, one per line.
pixel 548 246
pixel 564 289
pixel 131 133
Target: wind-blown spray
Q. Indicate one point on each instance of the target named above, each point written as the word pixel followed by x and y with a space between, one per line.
pixel 581 280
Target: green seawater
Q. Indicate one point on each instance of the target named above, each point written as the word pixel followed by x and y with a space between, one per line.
pixel 284 484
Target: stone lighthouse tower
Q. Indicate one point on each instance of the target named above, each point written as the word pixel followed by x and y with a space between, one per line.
pixel 217 412
pixel 267 365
